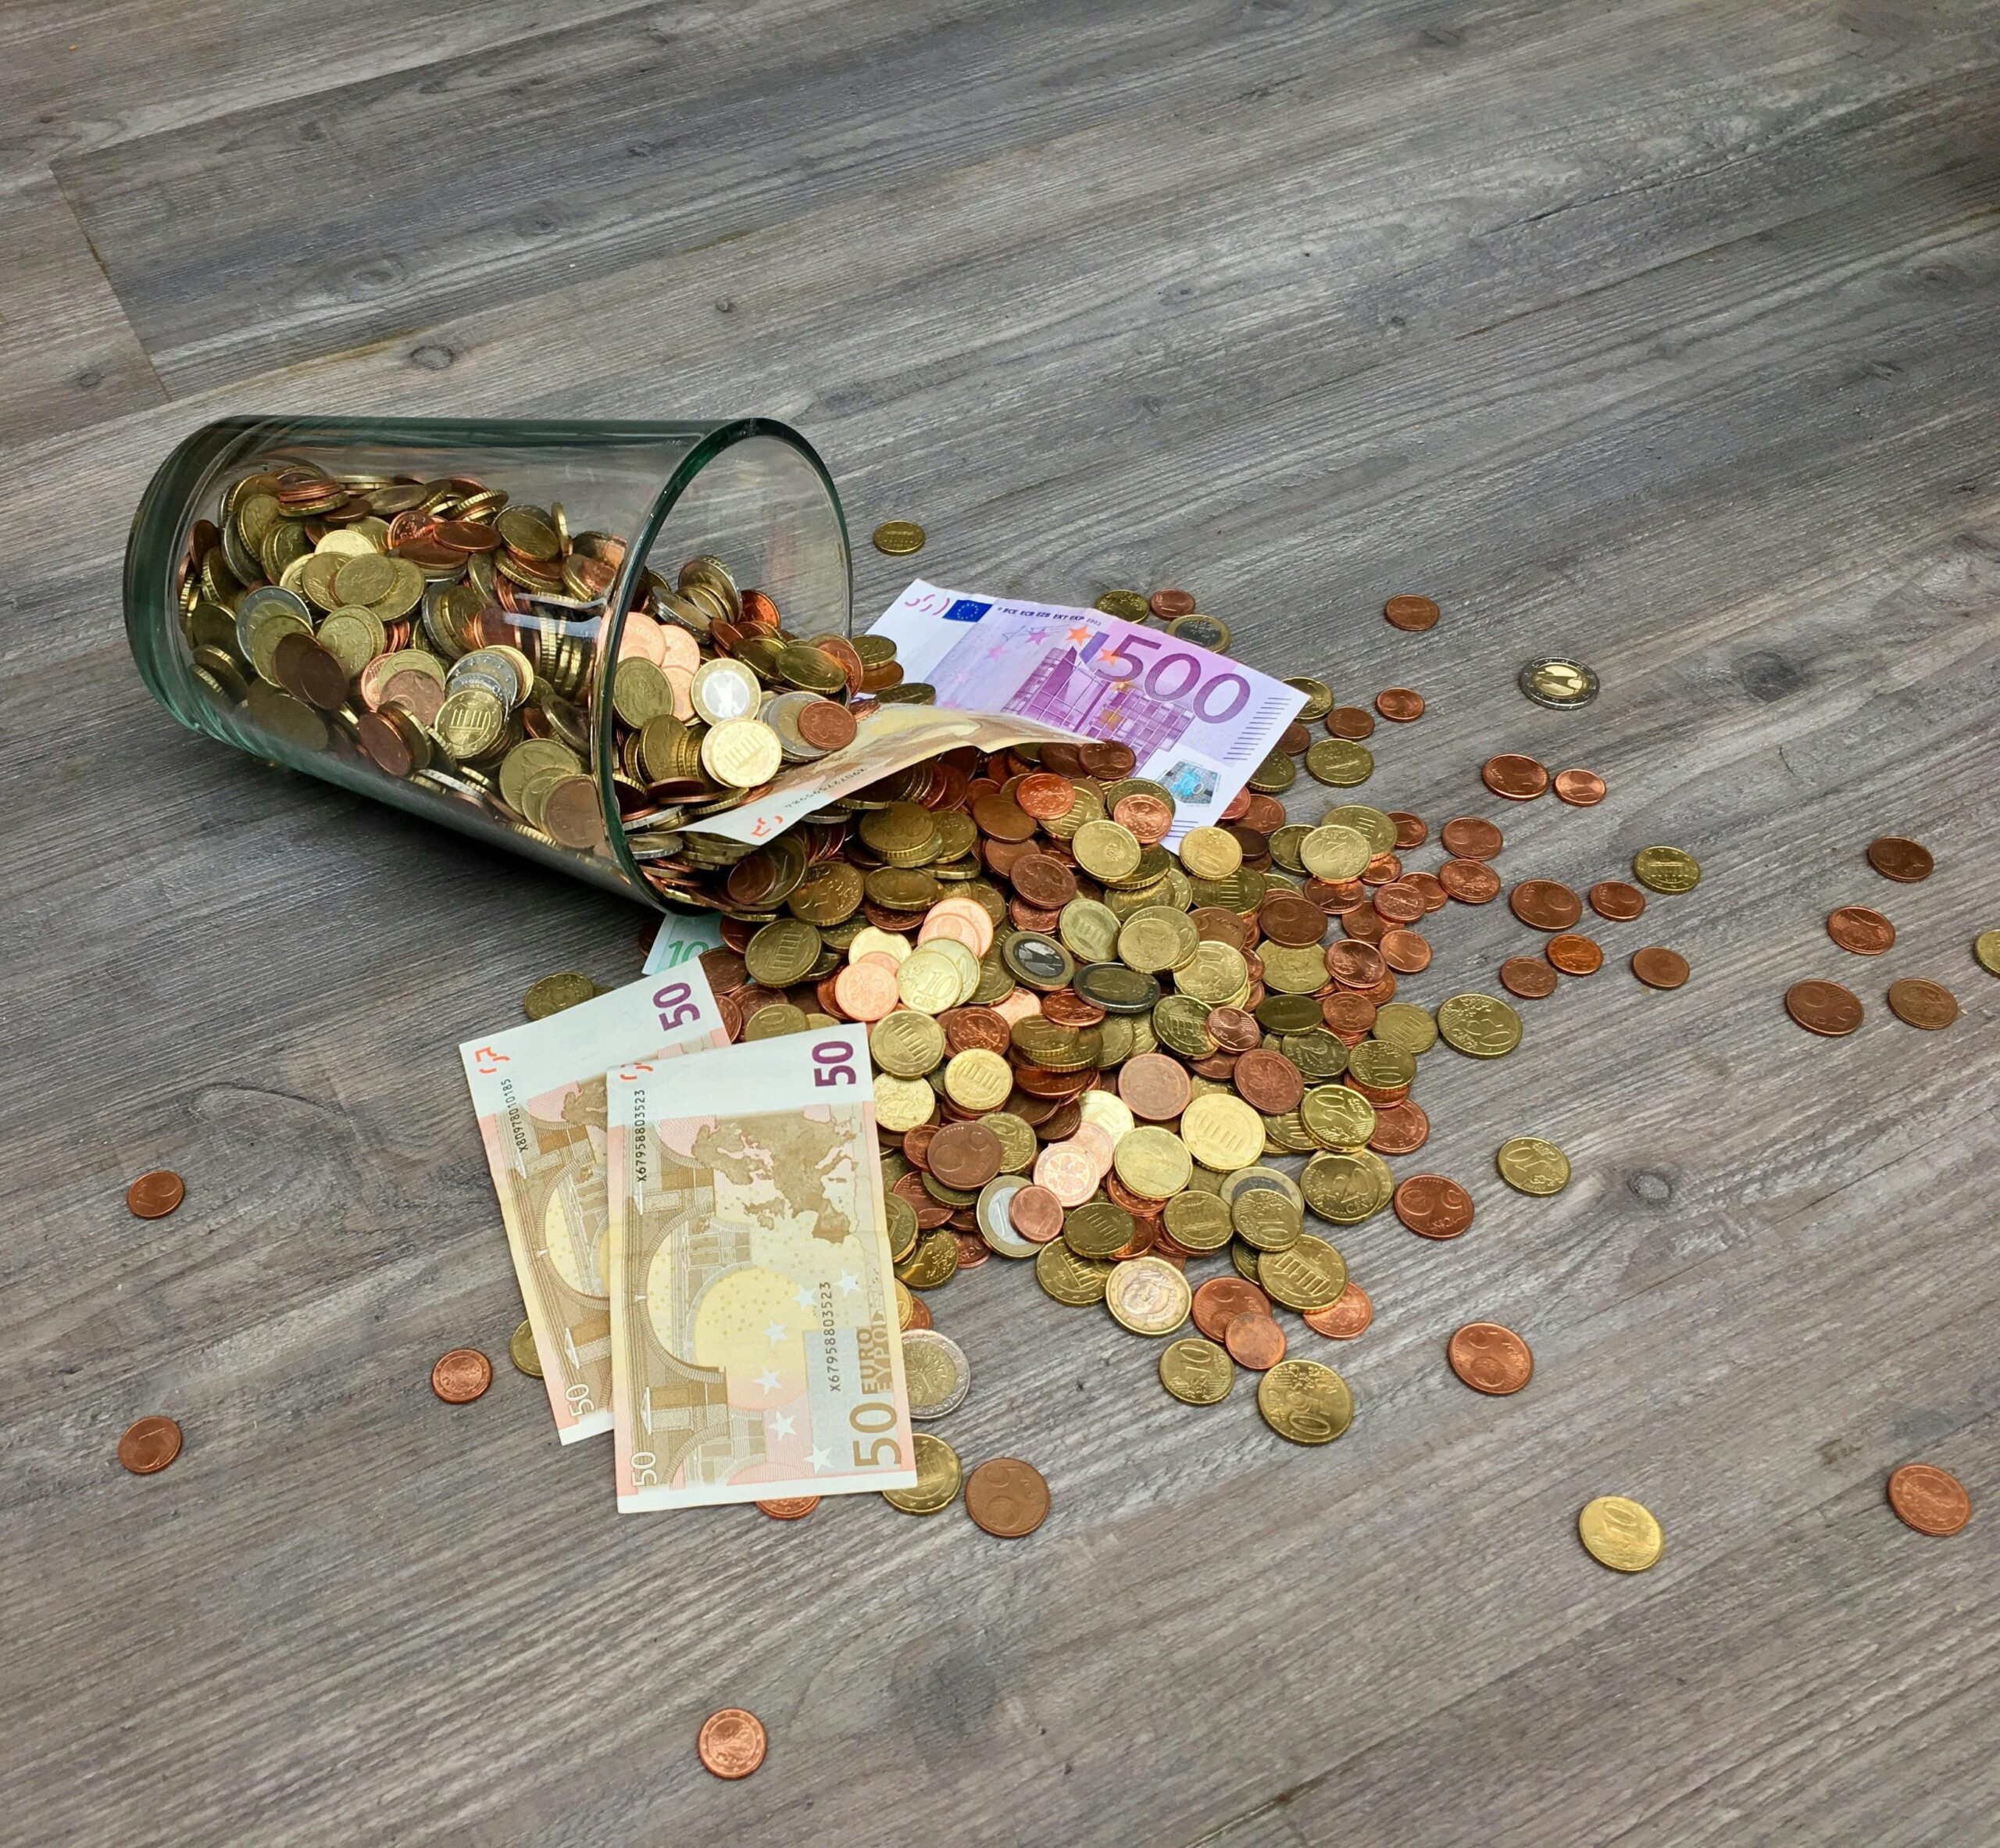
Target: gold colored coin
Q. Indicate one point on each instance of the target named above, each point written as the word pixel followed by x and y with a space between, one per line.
pixel 1380 1066
pixel 1152 1161
pixel 1077 1281
pixel 929 981
pixel 1344 1187
pixel 1200 1221
pixel 522 1351
pixel 1404 1024
pixel 553 993
pixel 1339 763
pixel 1308 1273
pixel 1337 1117
pixel 1336 852
pixel 979 1080
pixel 1211 852
pixel 1221 1131
pixel 1196 1372
pixel 741 753
pixel 901 1104
pixel 1157 938
pixel 1217 976
pixel 899 538
pixel 782 953
pixel 1106 850
pixel 1148 1296
pixel 1985 947
pixel 905 1044
pixel 1666 869
pixel 935 1261
pixel 937 1475
pixel 1373 825
pixel 1306 1402
pixel 905 1304
pixel 1620 1533
pixel 1481 1026
pixel 1531 1165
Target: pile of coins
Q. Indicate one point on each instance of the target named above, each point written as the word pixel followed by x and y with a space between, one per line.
pixel 445 636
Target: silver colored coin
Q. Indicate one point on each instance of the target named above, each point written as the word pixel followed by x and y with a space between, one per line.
pixel 937 1372
pixel 1556 682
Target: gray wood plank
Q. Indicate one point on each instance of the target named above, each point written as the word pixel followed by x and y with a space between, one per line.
pixel 1660 336
pixel 68 355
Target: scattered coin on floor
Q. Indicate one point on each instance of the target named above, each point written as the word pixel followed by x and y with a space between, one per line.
pixel 1411 614
pixel 1514 777
pixel 1305 1401
pixel 521 1350
pixel 1620 1533
pixel 1399 704
pixel 1658 967
pixel 1904 861
pixel 1921 1003
pixel 1615 899
pixel 1857 928
pixel 1824 1007
pixel 898 538
pixel 153 1196
pixel 553 993
pixel 1666 869
pixel 1006 1497
pixel 1529 1165
pixel 938 1474
pixel 1580 788
pixel 731 1742
pixel 1986 949
pixel 1489 1359
pixel 1345 1316
pixel 1574 955
pixel 1932 1500
pixel 461 1376
pixel 1529 977
pixel 1556 682
pixel 149 1445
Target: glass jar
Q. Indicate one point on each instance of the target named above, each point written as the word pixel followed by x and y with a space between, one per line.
pixel 436 613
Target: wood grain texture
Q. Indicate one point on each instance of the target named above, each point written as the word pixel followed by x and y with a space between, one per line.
pixel 1661 333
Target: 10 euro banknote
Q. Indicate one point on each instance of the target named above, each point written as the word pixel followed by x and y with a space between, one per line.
pixel 755 1352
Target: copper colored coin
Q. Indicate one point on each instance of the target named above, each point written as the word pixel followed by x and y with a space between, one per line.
pixel 1412 830
pixel 973 1250
pixel 789 1508
pixel 1044 795
pixel 1104 759
pixel 920 1311
pixel 1528 976
pixel 1348 1015
pixel 1167 604
pixel 1364 923
pixel 1545 904
pixel 1002 818
pixel 1823 1007
pixel 1615 899
pixel 826 724
pixel 1659 968
pixel 1268 1082
pixel 1006 1497
pixel 1400 1128
pixel 1435 897
pixel 1932 1500
pixel 1470 881
pixel 1400 902
pixel 149 1445
pixel 1036 1215
pixel 1489 1359
pixel 461 1376
pixel 1411 612
pixel 1351 722
pixel 1904 861
pixel 1067 1008
pixel 1433 1206
pixel 1920 1004
pixel 1405 951
pixel 967 1029
pixel 1355 965
pixel 1255 1341
pixel 1289 918
pixel 153 1196
pixel 1574 955
pixel 1401 704
pixel 1514 777
pixel 1470 837
pixel 1154 1087
pixel 1233 1030
pixel 966 1156
pixel 1580 788
pixel 1221 1300
pixel 1344 1318
pixel 1866 933
pixel 1146 818
pixel 731 1742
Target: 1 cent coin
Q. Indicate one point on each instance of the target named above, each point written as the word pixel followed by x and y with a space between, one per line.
pixel 731 1742
pixel 1007 1497
pixel 1932 1500
pixel 1470 837
pixel 1580 788
pixel 1856 928
pixel 1920 1004
pixel 461 1376
pixel 1906 862
pixel 1823 1007
pixel 789 1508
pixel 149 1447
pixel 1545 904
pixel 153 1196
pixel 1659 968
pixel 1615 899
pixel 1411 614
pixel 1399 704
pixel 1529 977
pixel 1489 1359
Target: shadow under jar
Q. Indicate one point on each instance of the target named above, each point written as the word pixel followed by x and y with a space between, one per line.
pixel 501 626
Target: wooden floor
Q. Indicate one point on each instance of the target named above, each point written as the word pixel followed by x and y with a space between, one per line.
pixel 1661 331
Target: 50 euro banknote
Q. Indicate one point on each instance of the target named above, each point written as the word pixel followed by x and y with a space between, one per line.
pixel 755 1350
pixel 539 1091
